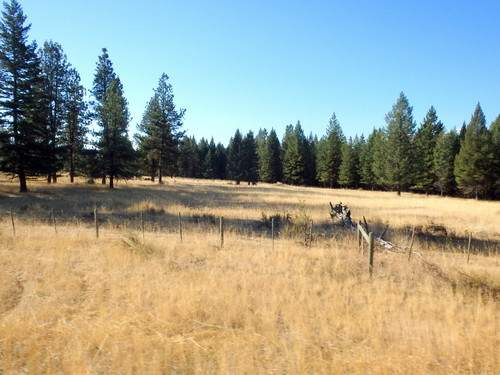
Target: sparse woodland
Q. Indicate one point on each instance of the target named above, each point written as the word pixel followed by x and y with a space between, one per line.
pixel 50 126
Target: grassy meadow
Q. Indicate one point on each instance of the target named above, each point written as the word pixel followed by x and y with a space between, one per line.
pixel 128 303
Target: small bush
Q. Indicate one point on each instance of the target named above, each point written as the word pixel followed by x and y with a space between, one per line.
pixel 299 225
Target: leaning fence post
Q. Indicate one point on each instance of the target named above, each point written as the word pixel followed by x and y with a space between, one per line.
pixel 13 224
pixel 221 231
pixel 370 253
pixel 53 220
pixel 468 247
pixel 272 231
pixel 358 233
pixel 180 226
pixel 96 221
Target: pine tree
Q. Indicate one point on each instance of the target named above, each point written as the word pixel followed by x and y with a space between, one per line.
pixel 367 176
pixel 495 138
pixel 295 156
pixel 209 162
pixel 160 128
pixel 379 157
pixel 22 104
pixel 220 161
pixel 250 159
pixel 474 163
pixel 115 149
pixel 55 66
pixel 425 143
pixel 261 142
pixel 445 151
pixel 348 172
pixel 329 154
pixel 235 165
pixel 400 149
pixel 76 118
pixel 271 165
pixel 189 161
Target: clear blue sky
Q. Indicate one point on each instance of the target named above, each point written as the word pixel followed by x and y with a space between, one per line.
pixel 268 63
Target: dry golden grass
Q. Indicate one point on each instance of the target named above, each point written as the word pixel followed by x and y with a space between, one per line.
pixel 74 304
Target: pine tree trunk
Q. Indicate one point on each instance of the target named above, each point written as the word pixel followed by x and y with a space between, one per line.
pixel 103 181
pixel 111 182
pixel 23 188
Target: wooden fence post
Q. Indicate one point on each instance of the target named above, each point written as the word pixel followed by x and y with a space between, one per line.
pixel 13 224
pixel 53 220
pixel 180 226
pixel 96 221
pixel 221 231
pixel 370 253
pixel 358 233
pixel 272 231
pixel 468 247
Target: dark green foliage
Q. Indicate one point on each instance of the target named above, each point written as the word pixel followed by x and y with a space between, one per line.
pixel 329 154
pixel 160 130
pixel 250 159
pixel 235 166
pixel 366 173
pixel 495 137
pixel 209 162
pixel 425 143
pixel 116 155
pixel 296 156
pixel 271 164
pixel 379 159
pixel 23 108
pixel 348 172
pixel 474 164
pixel 445 150
pixel 220 162
pixel 400 152
pixel 188 162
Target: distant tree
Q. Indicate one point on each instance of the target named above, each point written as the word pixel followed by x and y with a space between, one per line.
pixel 295 156
pixel 76 117
pixel 55 70
pixel 400 150
pixel 474 163
pixel 271 167
pixel 220 160
pixel 23 108
pixel 103 77
pixel 189 161
pixel 160 133
pixel 445 151
pixel 261 142
pixel 250 159
pixel 235 166
pixel 209 162
pixel 425 143
pixel 329 154
pixel 495 137
pixel 348 172
pixel 366 172
pixel 115 149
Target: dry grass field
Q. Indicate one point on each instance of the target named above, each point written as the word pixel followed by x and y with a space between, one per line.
pixel 71 303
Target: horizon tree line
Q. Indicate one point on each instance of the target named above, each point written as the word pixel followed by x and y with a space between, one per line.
pixel 45 129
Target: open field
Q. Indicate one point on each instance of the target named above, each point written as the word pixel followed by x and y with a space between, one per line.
pixel 74 304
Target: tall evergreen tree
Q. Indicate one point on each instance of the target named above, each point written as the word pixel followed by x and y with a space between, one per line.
pixel 235 166
pixel 189 161
pixel 474 163
pixel 160 128
pixel 261 142
pixel 55 70
pixel 379 157
pixel 295 156
pixel 271 167
pixel 425 143
pixel 220 162
pixel 329 154
pixel 348 172
pixel 209 162
pixel 367 176
pixel 22 105
pixel 250 159
pixel 445 151
pixel 495 137
pixel 76 118
pixel 115 148
pixel 400 149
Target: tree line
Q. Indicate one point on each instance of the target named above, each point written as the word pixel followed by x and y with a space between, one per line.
pixel 47 127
